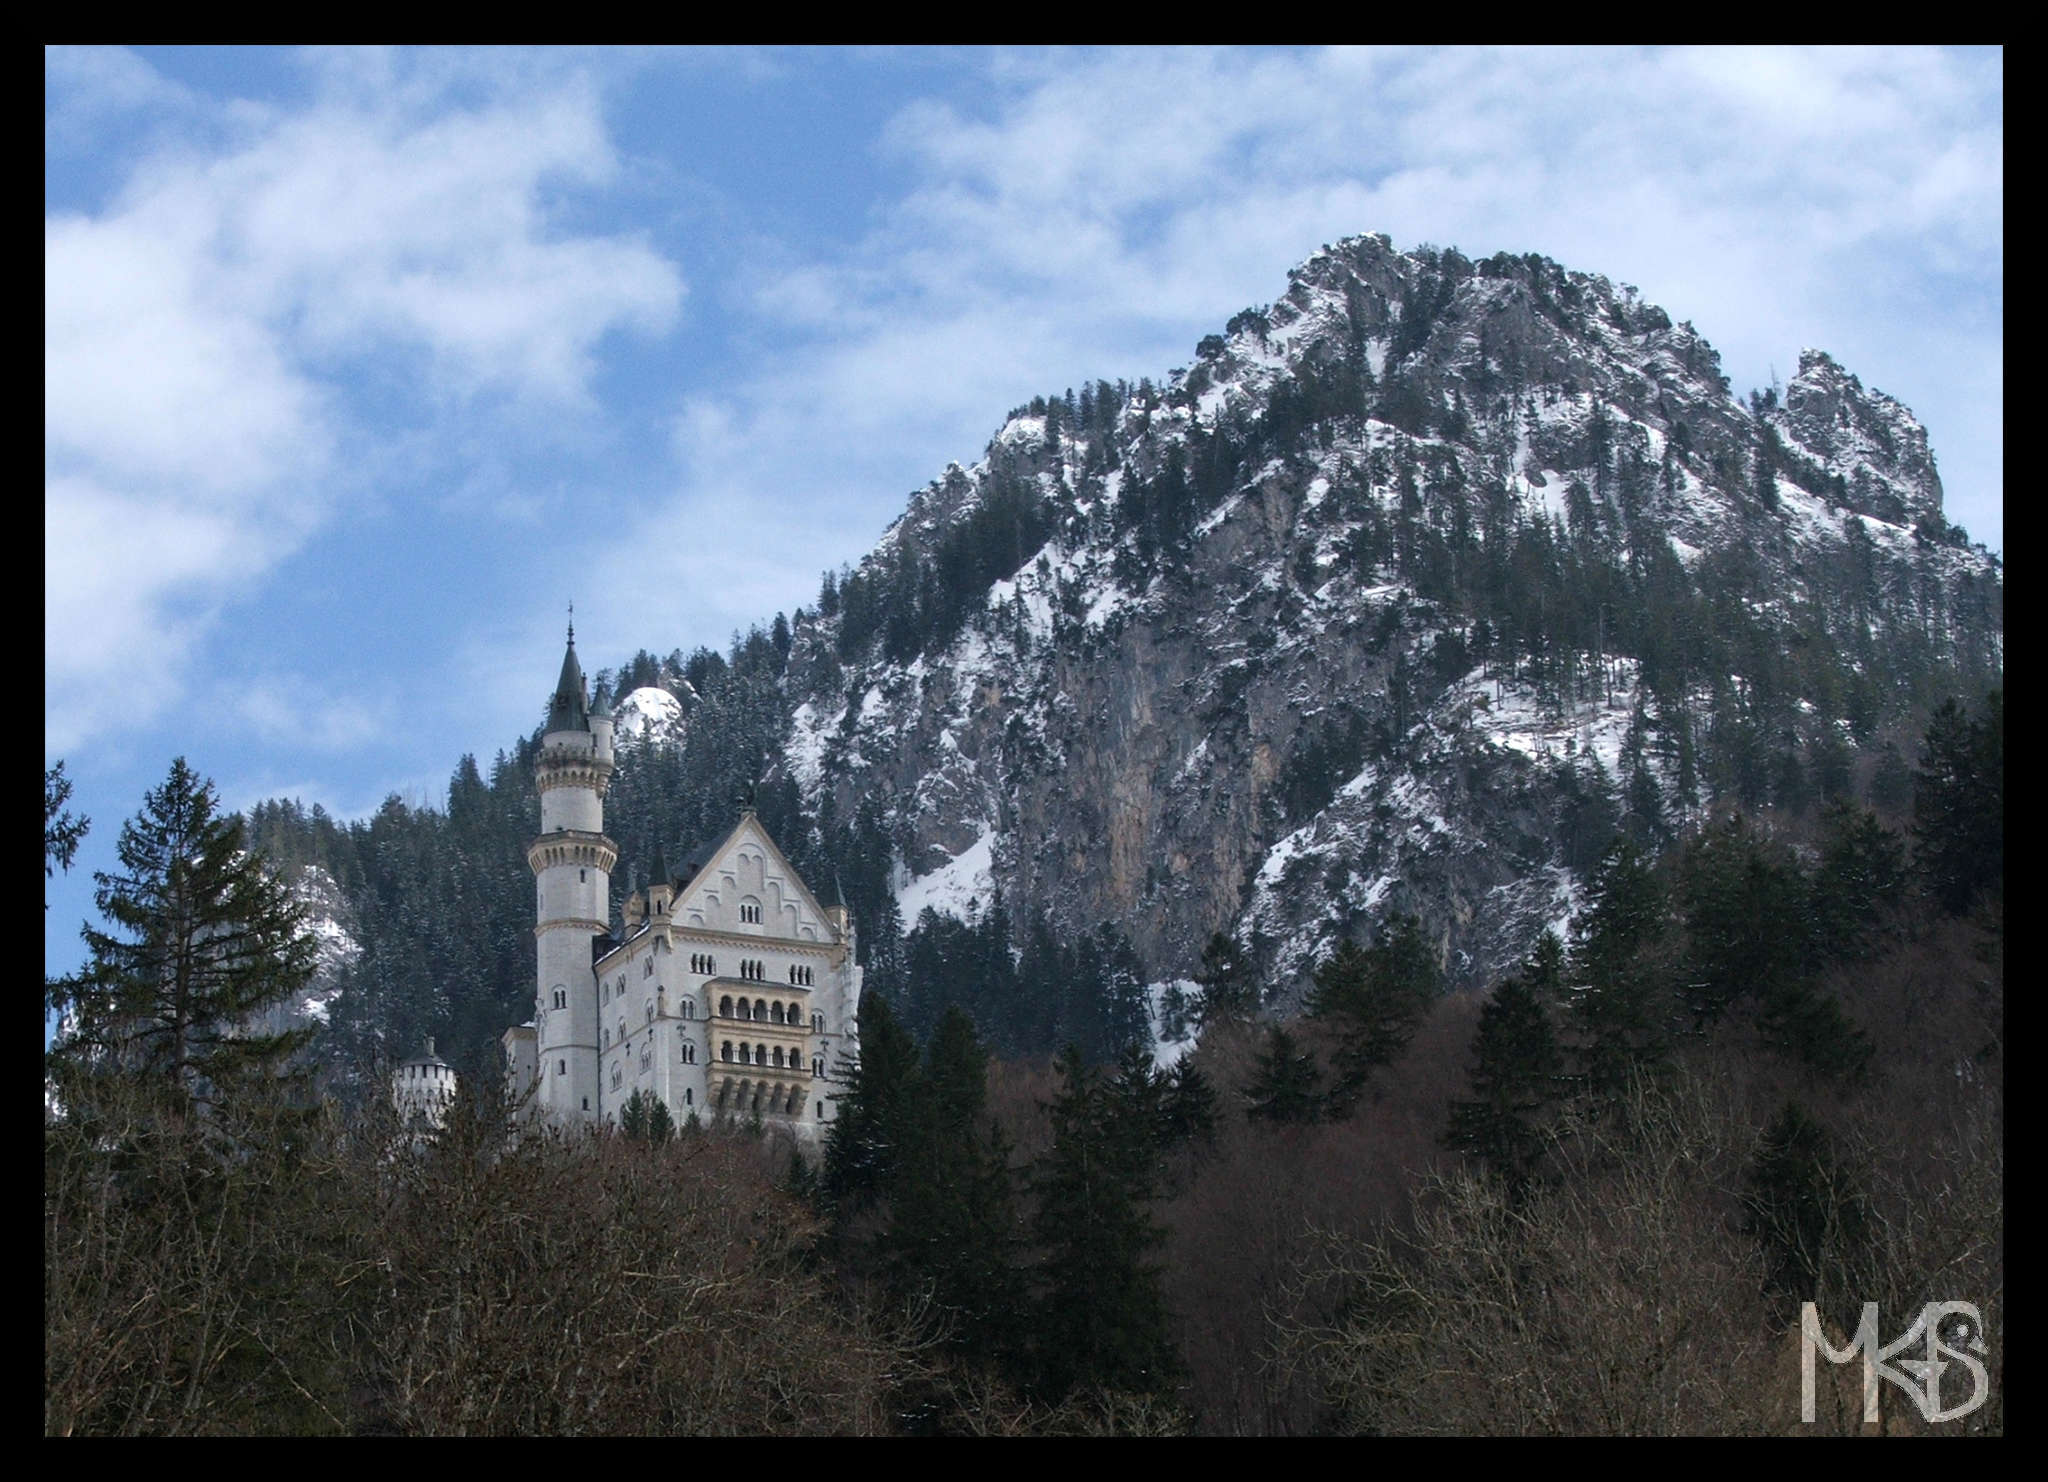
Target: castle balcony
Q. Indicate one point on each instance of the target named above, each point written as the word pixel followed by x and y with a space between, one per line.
pixel 768 1095
pixel 570 846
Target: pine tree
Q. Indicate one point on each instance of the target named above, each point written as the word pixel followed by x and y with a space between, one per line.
pixel 1861 880
pixel 1519 1070
pixel 61 831
pixel 1229 983
pixel 1100 1319
pixel 203 938
pixel 1190 1112
pixel 1286 1085
pixel 952 1232
pixel 1374 998
pixel 1621 969
pixel 863 1143
pixel 1959 805
pixel 1746 919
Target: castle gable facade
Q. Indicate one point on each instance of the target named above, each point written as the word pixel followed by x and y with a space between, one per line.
pixel 730 990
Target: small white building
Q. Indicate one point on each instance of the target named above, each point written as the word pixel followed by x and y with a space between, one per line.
pixel 730 991
pixel 423 1088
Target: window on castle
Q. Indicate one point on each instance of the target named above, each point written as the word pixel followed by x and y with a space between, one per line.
pixel 725 1007
pixel 689 1008
pixel 689 1053
pixel 689 1096
pixel 725 1051
pixel 582 877
pixel 647 967
pixel 777 1056
pixel 761 1009
pixel 818 1023
pixel 818 1065
pixel 607 1039
pixel 650 1011
pixel 561 1067
pixel 750 911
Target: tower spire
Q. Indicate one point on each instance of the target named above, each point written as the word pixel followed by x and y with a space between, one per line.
pixel 569 710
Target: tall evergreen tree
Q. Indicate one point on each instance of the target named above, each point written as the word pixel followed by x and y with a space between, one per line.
pixel 953 1235
pixel 201 939
pixel 1621 970
pixel 1229 983
pixel 1374 998
pixel 1959 805
pixel 1285 1084
pixel 61 831
pixel 1100 1319
pixel 1519 1070
pixel 864 1141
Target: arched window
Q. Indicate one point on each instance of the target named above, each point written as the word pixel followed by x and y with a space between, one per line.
pixel 689 1053
pixel 689 1008
pixel 760 1008
pixel 776 1057
pixel 817 1065
pixel 689 1096
pixel 607 1039
pixel 725 1050
pixel 817 1023
pixel 650 1011
pixel 711 964
pixel 725 1007
pixel 775 1012
pixel 561 1067
pixel 618 1075
pixel 647 967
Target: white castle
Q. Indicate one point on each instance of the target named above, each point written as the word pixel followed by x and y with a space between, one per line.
pixel 730 990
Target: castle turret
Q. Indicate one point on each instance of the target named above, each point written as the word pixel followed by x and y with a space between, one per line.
pixel 572 861
pixel 423 1088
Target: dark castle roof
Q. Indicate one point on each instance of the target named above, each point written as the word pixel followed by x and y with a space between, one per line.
pixel 569 711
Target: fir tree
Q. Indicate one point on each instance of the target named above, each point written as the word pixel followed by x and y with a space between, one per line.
pixel 1286 1085
pixel 863 1143
pixel 1861 879
pixel 952 1232
pixel 1229 983
pixel 61 831
pixel 203 939
pixel 1100 1319
pixel 1519 1070
pixel 1190 1110
pixel 1746 918
pixel 1374 999
pixel 1620 967
pixel 1959 805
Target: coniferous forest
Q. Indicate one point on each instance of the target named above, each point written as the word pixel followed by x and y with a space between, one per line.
pixel 1765 1069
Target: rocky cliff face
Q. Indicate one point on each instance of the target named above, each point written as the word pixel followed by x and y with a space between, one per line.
pixel 1415 584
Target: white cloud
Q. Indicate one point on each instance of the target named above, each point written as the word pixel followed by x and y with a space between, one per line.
pixel 210 332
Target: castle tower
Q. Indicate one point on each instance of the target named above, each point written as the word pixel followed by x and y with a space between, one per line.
pixel 572 862
pixel 423 1088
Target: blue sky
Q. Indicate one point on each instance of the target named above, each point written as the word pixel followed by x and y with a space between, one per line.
pixel 359 366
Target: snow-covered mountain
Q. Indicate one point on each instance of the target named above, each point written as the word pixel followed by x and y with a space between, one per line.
pixel 1377 607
